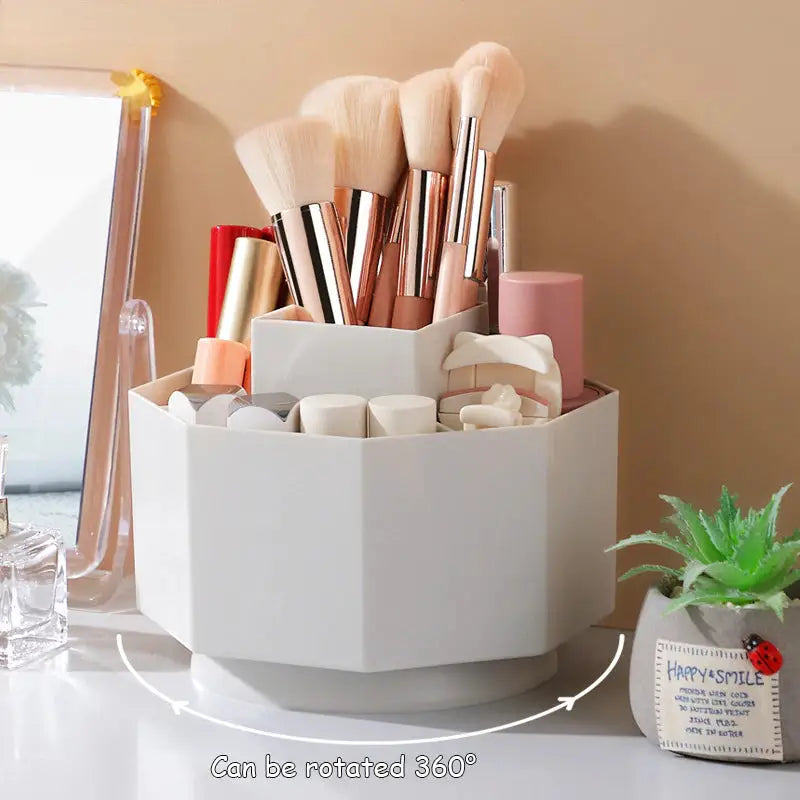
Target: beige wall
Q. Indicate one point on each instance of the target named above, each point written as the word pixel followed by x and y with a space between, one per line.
pixel 658 151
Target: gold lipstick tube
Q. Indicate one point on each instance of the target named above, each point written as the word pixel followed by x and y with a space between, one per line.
pixel 380 315
pixel 363 217
pixel 254 287
pixel 421 243
pixel 450 285
pixel 309 239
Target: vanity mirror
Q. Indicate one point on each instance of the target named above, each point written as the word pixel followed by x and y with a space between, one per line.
pixel 73 145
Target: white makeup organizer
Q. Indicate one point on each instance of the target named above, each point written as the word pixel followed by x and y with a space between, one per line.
pixel 365 575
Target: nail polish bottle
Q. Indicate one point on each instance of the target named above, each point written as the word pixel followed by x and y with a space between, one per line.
pixel 33 586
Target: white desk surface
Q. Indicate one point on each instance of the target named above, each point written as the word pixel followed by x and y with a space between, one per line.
pixel 80 726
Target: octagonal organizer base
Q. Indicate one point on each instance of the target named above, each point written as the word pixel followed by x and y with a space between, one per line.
pixel 389 573
pixel 399 691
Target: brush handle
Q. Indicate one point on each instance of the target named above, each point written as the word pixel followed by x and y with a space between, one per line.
pixel 449 286
pixel 389 265
pixel 380 315
pixel 492 281
pixel 469 293
pixel 412 313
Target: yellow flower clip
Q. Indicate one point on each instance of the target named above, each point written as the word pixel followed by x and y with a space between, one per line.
pixel 141 88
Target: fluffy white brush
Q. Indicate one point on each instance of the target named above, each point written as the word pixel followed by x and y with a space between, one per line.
pixel 291 166
pixel 425 113
pixel 290 162
pixel 364 115
pixel 425 102
pixel 507 90
pixel 473 93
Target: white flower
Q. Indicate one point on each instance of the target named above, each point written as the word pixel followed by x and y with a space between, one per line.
pixel 19 348
pixel 502 396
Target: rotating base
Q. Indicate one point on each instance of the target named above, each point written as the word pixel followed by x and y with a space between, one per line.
pixel 401 691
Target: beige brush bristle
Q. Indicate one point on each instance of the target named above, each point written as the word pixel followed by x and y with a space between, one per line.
pixel 364 114
pixel 475 90
pixel 290 162
pixel 425 102
pixel 316 102
pixel 508 88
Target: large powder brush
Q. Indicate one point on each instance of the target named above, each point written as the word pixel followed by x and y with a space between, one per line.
pixel 425 103
pixel 369 158
pixel 291 165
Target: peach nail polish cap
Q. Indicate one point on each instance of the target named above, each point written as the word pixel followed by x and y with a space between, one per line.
pixel 220 361
pixel 551 303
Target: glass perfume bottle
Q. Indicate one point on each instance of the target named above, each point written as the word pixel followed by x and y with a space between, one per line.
pixel 33 586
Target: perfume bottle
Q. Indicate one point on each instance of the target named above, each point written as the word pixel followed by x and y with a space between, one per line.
pixel 33 586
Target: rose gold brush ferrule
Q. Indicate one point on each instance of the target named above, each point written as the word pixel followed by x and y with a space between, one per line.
pixel 452 292
pixel 421 242
pixel 363 217
pixel 421 239
pixel 310 242
pixel 395 231
pixel 480 218
pixel 462 182
pixel 386 283
pixel 253 288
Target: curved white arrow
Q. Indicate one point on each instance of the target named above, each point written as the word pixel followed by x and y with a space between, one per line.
pixel 182 707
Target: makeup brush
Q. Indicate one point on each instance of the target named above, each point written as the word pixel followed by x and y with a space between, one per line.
pixel 363 113
pixel 508 88
pixel 454 290
pixel 425 114
pixel 291 166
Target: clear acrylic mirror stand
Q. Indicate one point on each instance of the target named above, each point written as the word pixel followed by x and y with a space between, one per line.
pixel 100 566
pixel 108 584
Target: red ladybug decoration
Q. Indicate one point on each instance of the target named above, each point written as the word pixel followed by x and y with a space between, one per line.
pixel 764 656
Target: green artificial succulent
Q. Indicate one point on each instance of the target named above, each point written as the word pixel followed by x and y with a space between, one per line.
pixel 729 558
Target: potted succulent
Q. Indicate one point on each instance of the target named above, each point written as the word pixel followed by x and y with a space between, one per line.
pixel 715 666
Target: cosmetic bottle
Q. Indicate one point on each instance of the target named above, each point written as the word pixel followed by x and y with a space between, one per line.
pixel 33 586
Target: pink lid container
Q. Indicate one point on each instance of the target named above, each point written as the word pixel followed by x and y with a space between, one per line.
pixel 551 303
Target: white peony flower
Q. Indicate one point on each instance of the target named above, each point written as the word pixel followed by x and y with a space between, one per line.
pixel 19 348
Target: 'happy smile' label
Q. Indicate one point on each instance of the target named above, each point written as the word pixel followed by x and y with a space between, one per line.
pixel 711 701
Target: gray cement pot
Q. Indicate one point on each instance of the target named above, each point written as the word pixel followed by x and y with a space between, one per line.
pixel 722 627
